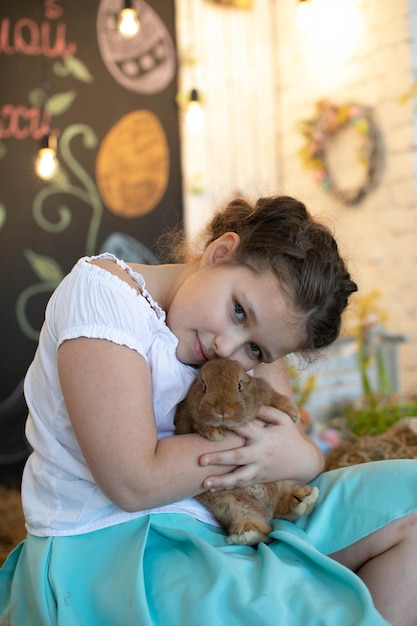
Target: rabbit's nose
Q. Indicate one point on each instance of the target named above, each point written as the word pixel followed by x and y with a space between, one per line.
pixel 222 415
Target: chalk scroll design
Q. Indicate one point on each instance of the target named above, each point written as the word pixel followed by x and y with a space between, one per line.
pixel 143 64
pixel 49 274
pixel 88 193
pixel 46 269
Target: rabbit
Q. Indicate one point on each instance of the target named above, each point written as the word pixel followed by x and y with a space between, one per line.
pixel 224 396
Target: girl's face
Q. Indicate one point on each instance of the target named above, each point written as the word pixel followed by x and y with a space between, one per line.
pixel 231 312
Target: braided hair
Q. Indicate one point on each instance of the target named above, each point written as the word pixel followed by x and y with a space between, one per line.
pixel 279 234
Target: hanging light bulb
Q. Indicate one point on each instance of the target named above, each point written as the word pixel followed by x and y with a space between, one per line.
pixel 128 24
pixel 304 10
pixel 194 113
pixel 46 164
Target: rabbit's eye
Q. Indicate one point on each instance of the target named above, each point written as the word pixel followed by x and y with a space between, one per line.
pixel 204 387
pixel 239 386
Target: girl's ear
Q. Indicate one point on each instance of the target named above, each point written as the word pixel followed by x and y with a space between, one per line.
pixel 220 249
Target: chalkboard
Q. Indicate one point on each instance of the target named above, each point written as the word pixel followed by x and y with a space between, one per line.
pixel 66 70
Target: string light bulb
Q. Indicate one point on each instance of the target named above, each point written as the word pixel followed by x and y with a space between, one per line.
pixel 46 165
pixel 304 10
pixel 194 113
pixel 128 24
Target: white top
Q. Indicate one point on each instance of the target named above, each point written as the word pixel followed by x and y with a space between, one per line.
pixel 60 496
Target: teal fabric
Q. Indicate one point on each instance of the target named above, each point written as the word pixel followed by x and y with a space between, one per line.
pixel 172 570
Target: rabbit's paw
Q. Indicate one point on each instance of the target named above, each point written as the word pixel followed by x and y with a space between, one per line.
pixel 307 501
pixel 298 501
pixel 248 538
pixel 249 532
pixel 214 433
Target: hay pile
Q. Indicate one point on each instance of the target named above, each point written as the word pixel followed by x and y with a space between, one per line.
pixel 398 442
pixel 12 525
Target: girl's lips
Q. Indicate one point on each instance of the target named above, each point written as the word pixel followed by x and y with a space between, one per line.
pixel 199 349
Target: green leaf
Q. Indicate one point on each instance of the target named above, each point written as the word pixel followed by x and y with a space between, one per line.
pixel 60 102
pixel 37 97
pixel 44 267
pixel 78 69
pixel 383 378
pixel 60 69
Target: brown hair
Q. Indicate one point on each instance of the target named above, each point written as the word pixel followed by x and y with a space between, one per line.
pixel 278 234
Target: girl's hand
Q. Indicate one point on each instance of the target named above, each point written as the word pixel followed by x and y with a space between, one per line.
pixel 275 449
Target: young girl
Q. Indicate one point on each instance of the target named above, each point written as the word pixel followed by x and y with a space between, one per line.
pixel 114 534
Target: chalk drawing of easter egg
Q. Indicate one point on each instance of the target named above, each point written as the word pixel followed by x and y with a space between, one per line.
pixel 144 63
pixel 132 165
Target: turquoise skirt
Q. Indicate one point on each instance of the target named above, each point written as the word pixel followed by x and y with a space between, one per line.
pixel 172 570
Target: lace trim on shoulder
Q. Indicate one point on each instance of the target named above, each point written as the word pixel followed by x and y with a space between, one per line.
pixel 138 278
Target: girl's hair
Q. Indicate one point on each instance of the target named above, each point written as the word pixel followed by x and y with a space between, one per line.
pixel 279 234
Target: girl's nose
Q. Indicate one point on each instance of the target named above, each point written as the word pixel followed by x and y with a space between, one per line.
pixel 226 347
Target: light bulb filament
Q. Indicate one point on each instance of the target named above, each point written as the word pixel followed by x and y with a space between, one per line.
pixel 194 113
pixel 46 165
pixel 128 24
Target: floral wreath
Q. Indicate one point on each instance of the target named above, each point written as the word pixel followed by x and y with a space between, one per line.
pixel 330 120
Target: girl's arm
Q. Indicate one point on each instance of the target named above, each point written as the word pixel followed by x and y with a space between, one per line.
pixel 108 393
pixel 280 451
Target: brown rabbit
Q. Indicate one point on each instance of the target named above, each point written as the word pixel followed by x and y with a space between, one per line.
pixel 222 397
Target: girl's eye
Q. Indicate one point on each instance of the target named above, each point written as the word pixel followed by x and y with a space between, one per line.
pixel 256 351
pixel 240 313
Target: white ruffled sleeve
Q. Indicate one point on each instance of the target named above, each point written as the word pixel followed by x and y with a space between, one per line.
pixel 92 302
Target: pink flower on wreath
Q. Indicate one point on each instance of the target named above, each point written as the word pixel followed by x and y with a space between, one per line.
pixel 320 175
pixel 355 112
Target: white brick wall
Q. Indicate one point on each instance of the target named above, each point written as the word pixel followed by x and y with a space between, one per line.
pixel 236 150
pixel 261 75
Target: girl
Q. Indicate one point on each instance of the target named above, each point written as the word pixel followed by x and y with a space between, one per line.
pixel 114 535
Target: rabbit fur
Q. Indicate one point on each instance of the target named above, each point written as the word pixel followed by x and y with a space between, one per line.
pixel 224 396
